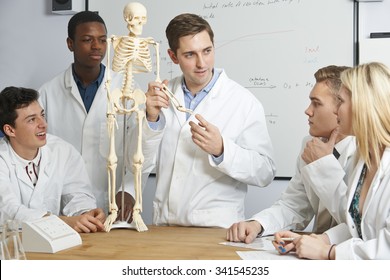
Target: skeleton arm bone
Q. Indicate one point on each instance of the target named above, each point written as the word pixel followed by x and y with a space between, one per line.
pixel 112 158
pixel 157 50
pixel 174 100
pixel 165 89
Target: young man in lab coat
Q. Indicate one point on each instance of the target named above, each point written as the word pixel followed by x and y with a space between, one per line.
pixel 299 203
pixel 75 102
pixel 40 174
pixel 204 162
pixel 364 203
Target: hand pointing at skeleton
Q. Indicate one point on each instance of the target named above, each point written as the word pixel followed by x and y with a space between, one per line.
pixel 207 136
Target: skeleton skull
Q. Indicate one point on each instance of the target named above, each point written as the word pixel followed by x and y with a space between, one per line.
pixel 135 16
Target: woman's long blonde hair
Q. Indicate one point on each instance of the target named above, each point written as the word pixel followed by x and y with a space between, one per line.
pixel 369 86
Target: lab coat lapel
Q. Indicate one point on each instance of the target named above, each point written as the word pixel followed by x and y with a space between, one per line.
pixel 97 102
pixel 384 167
pixel 209 107
pixel 21 173
pixel 43 176
pixel 40 188
pixel 382 171
pixel 347 156
pixel 70 83
pixel 100 101
pixel 348 152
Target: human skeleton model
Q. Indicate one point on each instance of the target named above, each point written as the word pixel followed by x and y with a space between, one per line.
pixel 131 55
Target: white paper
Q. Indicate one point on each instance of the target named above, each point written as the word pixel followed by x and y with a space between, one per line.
pixel 266 255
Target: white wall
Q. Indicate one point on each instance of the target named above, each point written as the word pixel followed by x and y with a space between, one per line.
pixel 33 43
pixel 33 50
pixel 373 17
pixel 33 40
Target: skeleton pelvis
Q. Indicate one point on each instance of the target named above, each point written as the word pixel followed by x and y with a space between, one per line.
pixel 116 96
pixel 139 96
pixel 130 100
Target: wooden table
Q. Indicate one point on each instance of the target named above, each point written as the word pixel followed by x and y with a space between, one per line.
pixel 158 243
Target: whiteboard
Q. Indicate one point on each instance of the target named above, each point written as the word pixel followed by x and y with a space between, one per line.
pixel 271 47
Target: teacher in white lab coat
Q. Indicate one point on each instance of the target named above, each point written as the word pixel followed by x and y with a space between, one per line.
pixel 75 102
pixel 204 162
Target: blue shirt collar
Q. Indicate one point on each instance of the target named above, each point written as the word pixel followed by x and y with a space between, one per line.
pixel 98 81
pixel 88 92
pixel 207 88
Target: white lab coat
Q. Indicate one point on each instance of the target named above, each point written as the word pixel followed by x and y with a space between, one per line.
pixel 375 242
pixel 298 204
pixel 67 118
pixel 329 184
pixel 63 187
pixel 376 210
pixel 191 189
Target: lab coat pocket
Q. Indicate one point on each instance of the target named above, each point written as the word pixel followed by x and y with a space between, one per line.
pixel 220 217
pixel 104 143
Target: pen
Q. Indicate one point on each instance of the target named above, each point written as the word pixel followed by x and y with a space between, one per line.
pixel 284 239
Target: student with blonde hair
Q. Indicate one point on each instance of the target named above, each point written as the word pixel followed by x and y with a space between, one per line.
pixel 365 204
pixel 299 204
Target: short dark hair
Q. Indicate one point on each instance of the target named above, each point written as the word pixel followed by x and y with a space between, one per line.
pixel 183 25
pixel 12 98
pixel 82 17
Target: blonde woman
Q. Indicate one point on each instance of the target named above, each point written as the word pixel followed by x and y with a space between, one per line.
pixel 363 112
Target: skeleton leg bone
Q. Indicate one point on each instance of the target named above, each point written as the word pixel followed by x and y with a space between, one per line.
pixel 111 165
pixel 138 160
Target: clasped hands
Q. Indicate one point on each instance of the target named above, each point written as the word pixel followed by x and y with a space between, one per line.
pixel 308 246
